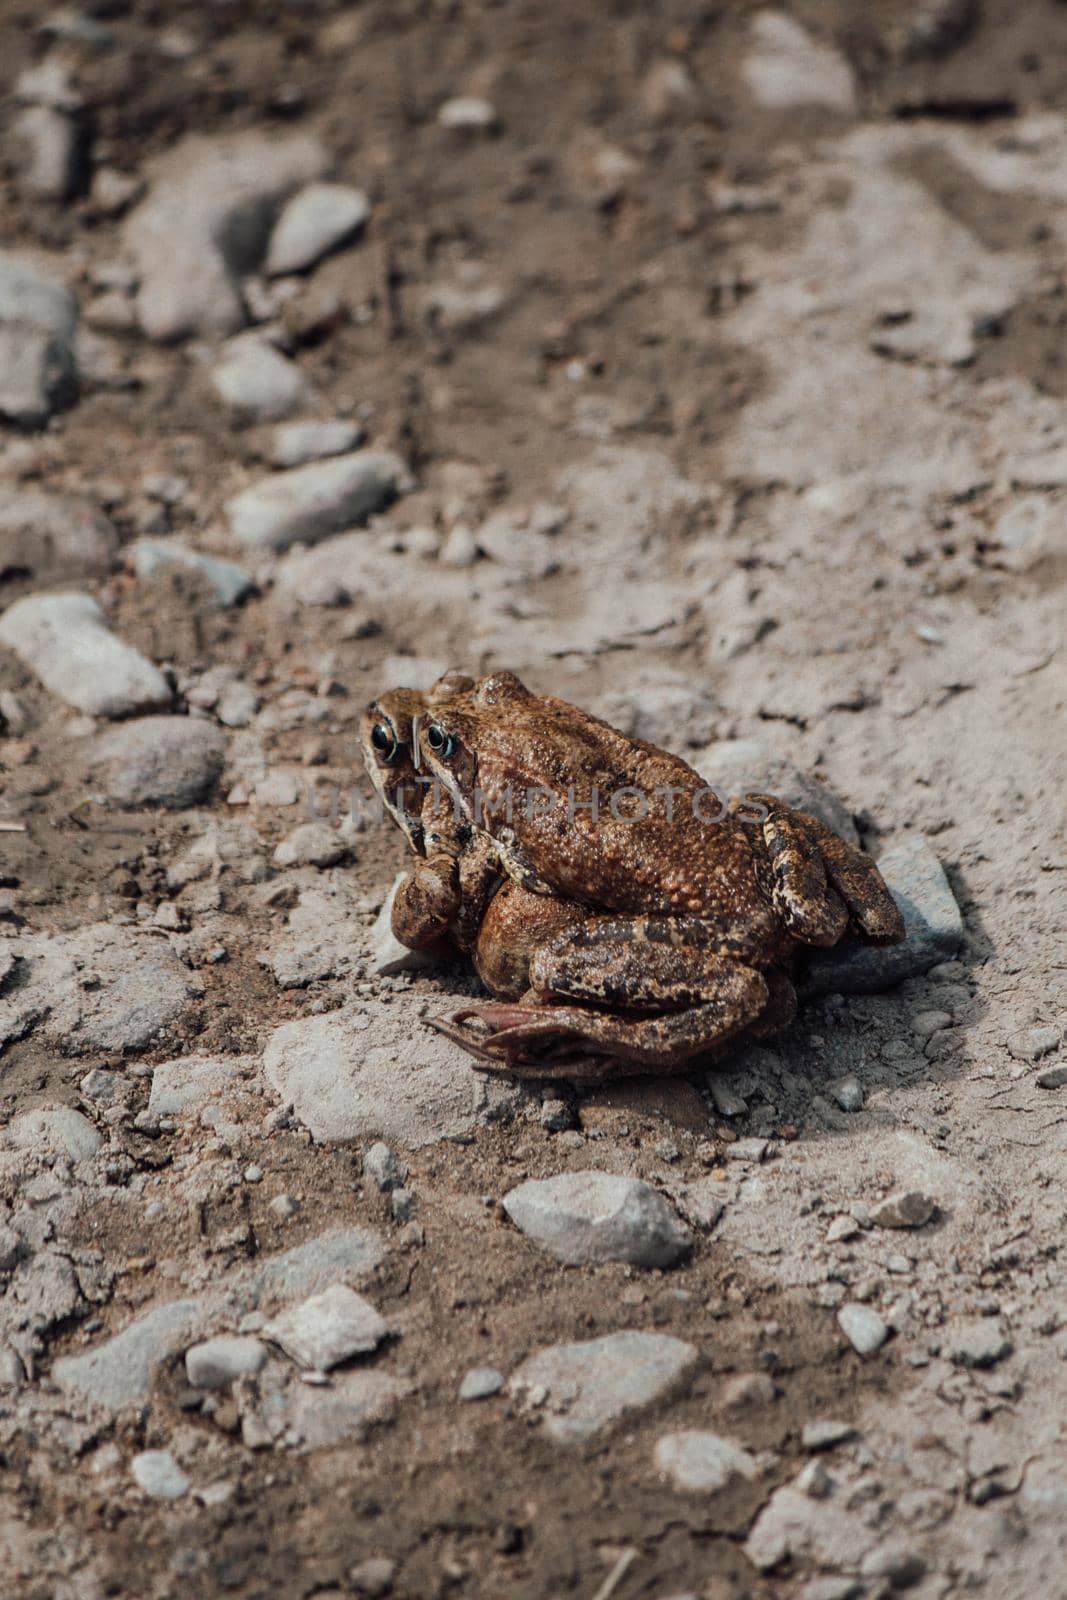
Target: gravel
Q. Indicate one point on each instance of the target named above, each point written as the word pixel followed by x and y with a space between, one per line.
pixel 65 642
pixel 230 584
pixel 848 1092
pixel 864 1329
pixel 158 1474
pixel 256 381
pixel 309 503
pixel 314 222
pixel 909 1208
pixel 327 1328
pixel 586 1387
pixel 480 1383
pixel 218 1362
pixel 977 1342
pixel 159 761
pixel 294 444
pixel 702 1462
pixel 383 1167
pixel 312 844
pixel 584 1218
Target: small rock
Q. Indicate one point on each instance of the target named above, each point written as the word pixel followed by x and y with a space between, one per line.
pixel 312 844
pixel 1055 1078
pixel 182 1086
pixel 284 1206
pixel 862 1327
pixel 29 298
pixel 294 444
pixel 161 761
pixel 324 1417
pixel 587 1217
pixel 38 375
pixel 52 536
pixel 909 1208
pixel 842 1228
pixel 49 83
pixel 586 1387
pixel 63 639
pixel 702 1461
pixel 327 1328
pixel 894 1562
pixel 747 1391
pixel 309 503
pixel 217 1362
pixel 467 114
pixel 667 90
pixel 373 1577
pixel 383 1167
pixel 98 1084
pixel 728 1103
pixel 925 1023
pixel 51 152
pixel 848 1092
pixel 980 1342
pixel 313 223
pixel 258 382
pixel 481 1382
pixel 788 68
pixel 113 191
pixel 754 1150
pixel 1036 1043
pixel 556 1116
pixel 50 1131
pixel 158 1474
pixel 230 584
pixel 12 1372
pixel 402 1205
pixel 825 1434
pixel 814 1481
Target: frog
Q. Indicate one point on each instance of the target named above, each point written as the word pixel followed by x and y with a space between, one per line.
pixel 693 921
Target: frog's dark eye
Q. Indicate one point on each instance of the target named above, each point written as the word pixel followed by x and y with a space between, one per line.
pixel 441 743
pixel 385 742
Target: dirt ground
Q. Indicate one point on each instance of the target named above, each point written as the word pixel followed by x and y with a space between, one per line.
pixel 793 364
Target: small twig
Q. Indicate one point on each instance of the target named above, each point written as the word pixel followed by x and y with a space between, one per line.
pixel 616 1575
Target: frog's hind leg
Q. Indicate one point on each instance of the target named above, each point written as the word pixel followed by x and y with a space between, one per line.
pixel 810 907
pixel 856 877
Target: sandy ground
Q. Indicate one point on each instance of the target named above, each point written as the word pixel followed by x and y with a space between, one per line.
pixel 722 354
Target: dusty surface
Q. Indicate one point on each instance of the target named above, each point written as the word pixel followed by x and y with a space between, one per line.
pixel 793 377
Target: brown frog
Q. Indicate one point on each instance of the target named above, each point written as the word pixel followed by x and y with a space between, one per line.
pixel 694 912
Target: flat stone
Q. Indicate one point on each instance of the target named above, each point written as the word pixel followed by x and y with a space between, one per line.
pixel 159 761
pixel 314 222
pixel 736 767
pixel 909 1208
pixel 52 536
pixel 312 844
pixel 256 381
pixel 322 1418
pixel 589 1386
pixel 480 1383
pixel 934 929
pixel 864 1329
pixel 977 1342
pixel 205 224
pixel 754 1150
pixel 294 444
pixel 50 1131
pixel 328 1328
pixel 158 1474
pixel 826 1434
pixel 792 1524
pixel 584 1218
pixel 216 1363
pixel 348 1081
pixel 309 503
pixel 702 1462
pixel 182 1086
pixel 229 583
pixel 788 68
pixel 65 642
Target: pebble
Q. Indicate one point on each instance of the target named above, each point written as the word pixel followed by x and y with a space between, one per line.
pixel 842 1228
pixel 480 1383
pixel 848 1092
pixel 1055 1078
pixel 467 114
pixel 727 1102
pixel 1036 1043
pixel 373 1577
pixel 306 504
pixel 402 1205
pixel 383 1167
pixel 64 641
pixel 284 1206
pixel 314 222
pixel 747 1391
pixel 158 1474
pixel 294 444
pixel 934 929
pixel 38 375
pixel 52 536
pixel 218 1362
pixel 161 761
pixel 182 1086
pixel 12 1372
pixel 924 1023
pixel 894 1562
pixel 702 1461
pixel 556 1116
pixel 583 1218
pixel 327 1328
pixel 51 1131
pixel 323 1417
pixel 788 68
pixel 586 1387
pixel 908 1208
pixel 50 153
pixel 312 844
pixel 230 584
pixel 256 381
pixel 754 1150
pixel 863 1328
pixel 979 1342
pixel 200 225
pixel 814 1481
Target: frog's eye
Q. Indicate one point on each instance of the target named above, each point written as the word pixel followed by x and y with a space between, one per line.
pixel 441 743
pixel 385 742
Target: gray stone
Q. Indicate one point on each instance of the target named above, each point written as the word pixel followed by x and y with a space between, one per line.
pixel 205 224
pixel 848 1092
pixel 793 1524
pixel 978 1342
pixel 702 1461
pixel 864 1329
pixel 388 955
pixel 216 1363
pixel 322 1418
pixel 347 1080
pixel 37 375
pixel 788 68
pixel 50 1131
pixel 1035 1043
pixel 54 536
pixel 480 1383
pixel 1055 1078
pixel 467 114
pixel 159 761
pixel 314 222
pixel 934 929
pixel 909 1208
pixel 309 503
pixel 826 1434
pixel 119 1372
pixel 895 1562
pixel 373 1577
pixel 12 1372
pixel 50 150
pixel 747 1391
pixel 99 988
pixel 328 1328
pixel 158 1474
pixel 312 844
pixel 31 299
pixel 588 1217
pixel 747 1150
pixel 589 1386
pixel 736 767
pixel 294 444
pixel 183 1086
pixel 258 382
pixel 383 1167
pixel 229 583
pixel 65 642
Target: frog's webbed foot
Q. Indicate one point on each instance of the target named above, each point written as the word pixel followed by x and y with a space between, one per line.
pixel 809 906
pixel 426 901
pixel 856 877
